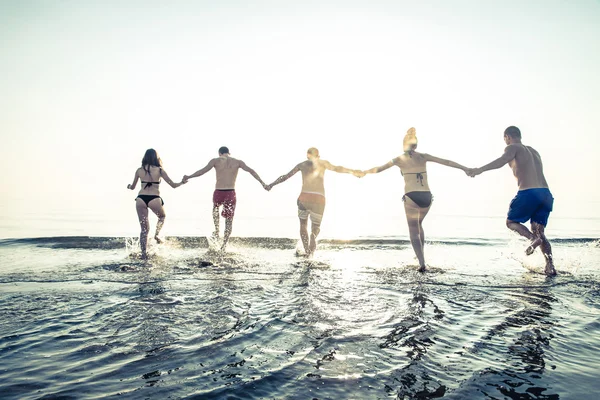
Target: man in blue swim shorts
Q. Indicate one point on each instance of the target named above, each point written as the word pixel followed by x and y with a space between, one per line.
pixel 533 201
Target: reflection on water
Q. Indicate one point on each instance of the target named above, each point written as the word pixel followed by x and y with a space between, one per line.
pixel 358 321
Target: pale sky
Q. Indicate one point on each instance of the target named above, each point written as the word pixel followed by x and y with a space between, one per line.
pixel 87 86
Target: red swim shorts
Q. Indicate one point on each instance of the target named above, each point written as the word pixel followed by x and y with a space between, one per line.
pixel 227 199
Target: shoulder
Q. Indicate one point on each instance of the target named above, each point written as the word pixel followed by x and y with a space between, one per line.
pixel 514 148
pixel 324 164
pixel 305 164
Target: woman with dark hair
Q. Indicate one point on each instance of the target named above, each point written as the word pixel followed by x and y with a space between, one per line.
pixel 417 196
pixel 150 174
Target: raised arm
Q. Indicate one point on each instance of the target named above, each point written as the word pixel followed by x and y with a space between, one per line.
pixel 252 172
pixel 165 176
pixel 285 177
pixel 135 179
pixel 448 163
pixel 376 170
pixel 509 154
pixel 200 172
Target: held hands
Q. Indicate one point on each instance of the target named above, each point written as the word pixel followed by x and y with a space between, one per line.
pixel 473 172
pixel 266 187
pixel 185 179
pixel 358 174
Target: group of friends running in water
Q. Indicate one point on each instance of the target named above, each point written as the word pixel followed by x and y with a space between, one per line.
pixel 533 201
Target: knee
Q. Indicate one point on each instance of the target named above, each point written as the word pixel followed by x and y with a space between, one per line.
pixel 537 229
pixel 509 223
pixel 315 230
pixel 414 225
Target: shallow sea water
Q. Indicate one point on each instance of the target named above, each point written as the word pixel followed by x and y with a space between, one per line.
pixel 85 318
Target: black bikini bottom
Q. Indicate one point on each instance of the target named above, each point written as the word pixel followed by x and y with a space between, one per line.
pixel 147 198
pixel 423 199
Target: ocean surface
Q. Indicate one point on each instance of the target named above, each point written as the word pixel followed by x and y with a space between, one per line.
pixel 84 318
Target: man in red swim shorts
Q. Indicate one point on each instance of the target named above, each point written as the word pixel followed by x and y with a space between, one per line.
pixel 224 196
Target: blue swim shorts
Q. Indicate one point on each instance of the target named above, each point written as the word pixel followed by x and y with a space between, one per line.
pixel 531 204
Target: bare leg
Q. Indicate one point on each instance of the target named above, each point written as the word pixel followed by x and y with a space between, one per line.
pixel 228 228
pixel 534 245
pixel 215 214
pixel 314 232
pixel 304 235
pixel 414 218
pixel 157 208
pixel 538 231
pixel 523 231
pixel 142 212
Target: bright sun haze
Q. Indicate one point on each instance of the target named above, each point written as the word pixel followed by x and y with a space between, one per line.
pixel 88 87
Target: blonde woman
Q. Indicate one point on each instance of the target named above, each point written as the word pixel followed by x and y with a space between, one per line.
pixel 417 195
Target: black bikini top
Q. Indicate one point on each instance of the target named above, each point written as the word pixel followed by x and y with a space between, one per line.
pixel 148 184
pixel 418 174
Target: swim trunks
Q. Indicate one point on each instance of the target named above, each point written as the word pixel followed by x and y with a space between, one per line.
pixel 313 205
pixel 227 199
pixel 531 204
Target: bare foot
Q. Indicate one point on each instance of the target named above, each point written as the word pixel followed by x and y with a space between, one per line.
pixel 158 240
pixel 534 244
pixel 422 268
pixel 550 270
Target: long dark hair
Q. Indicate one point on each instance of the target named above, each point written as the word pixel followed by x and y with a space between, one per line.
pixel 151 158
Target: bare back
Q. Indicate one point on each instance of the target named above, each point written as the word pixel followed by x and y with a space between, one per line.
pixel 527 166
pixel 313 172
pixel 153 176
pixel 414 172
pixel 227 170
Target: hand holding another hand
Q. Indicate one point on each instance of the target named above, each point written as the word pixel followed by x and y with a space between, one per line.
pixel 358 174
pixel 472 172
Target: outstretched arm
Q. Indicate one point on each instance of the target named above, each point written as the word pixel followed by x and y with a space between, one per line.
pixel 376 170
pixel 448 163
pixel 509 154
pixel 135 179
pixel 342 170
pixel 165 176
pixel 284 178
pixel 252 172
pixel 200 172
